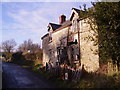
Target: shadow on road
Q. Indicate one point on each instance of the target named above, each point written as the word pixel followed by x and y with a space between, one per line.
pixel 14 76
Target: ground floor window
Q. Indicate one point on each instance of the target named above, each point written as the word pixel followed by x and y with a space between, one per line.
pixel 62 55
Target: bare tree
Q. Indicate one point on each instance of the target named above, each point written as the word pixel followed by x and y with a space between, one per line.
pixel 29 45
pixel 8 45
pixel 35 53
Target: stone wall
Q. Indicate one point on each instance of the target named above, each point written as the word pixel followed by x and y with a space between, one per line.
pixel 45 48
pixel 57 37
pixel 88 47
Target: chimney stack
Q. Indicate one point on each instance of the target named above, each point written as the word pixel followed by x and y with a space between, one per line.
pixel 62 19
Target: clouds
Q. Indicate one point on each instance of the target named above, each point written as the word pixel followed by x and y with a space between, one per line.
pixel 29 20
pixel 25 22
pixel 47 0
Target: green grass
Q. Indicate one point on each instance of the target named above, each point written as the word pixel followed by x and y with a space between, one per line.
pixel 88 80
pixel 99 81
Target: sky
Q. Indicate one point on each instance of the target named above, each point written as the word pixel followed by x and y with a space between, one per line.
pixel 21 20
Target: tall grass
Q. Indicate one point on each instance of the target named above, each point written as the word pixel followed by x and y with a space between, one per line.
pixel 106 77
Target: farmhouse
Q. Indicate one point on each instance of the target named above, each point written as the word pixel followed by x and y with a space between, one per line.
pixel 72 42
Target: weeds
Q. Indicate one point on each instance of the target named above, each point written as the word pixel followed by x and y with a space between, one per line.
pixel 88 80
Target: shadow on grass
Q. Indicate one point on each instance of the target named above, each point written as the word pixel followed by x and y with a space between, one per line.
pixel 97 80
pixel 88 80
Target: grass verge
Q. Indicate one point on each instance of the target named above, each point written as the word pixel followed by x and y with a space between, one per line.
pixel 88 80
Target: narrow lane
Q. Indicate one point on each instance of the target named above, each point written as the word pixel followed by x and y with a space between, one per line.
pixel 0 74
pixel 16 77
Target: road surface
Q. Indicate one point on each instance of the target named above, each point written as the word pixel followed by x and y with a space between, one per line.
pixel 16 77
pixel 0 74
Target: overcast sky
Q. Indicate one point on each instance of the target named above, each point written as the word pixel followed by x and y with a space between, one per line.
pixel 24 20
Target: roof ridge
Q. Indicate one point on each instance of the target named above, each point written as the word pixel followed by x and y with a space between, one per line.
pixel 76 9
pixel 54 23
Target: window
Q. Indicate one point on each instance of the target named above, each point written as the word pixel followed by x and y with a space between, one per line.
pixel 77 57
pixel 58 53
pixel 75 25
pixel 50 36
pixel 76 41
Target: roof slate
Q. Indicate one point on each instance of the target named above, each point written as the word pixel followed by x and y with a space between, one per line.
pixel 57 26
pixel 54 26
pixel 64 24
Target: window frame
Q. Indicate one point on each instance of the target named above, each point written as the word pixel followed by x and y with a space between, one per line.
pixel 75 25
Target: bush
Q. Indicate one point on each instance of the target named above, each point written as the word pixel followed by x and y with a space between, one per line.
pixel 18 58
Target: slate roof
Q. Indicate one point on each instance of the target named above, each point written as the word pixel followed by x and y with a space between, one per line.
pixel 77 10
pixel 64 24
pixel 54 26
pixel 44 36
pixel 58 26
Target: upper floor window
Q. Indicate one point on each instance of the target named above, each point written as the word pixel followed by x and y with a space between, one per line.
pixel 75 25
pixel 50 36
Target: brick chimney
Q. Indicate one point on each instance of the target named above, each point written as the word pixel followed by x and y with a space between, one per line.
pixel 62 19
